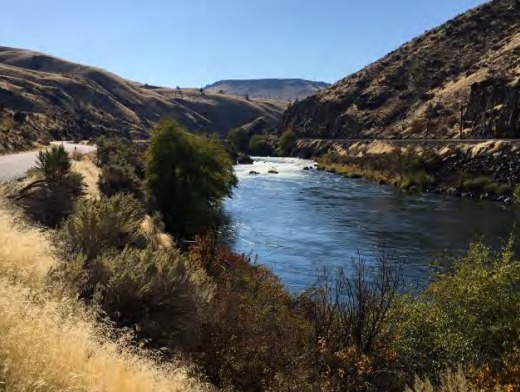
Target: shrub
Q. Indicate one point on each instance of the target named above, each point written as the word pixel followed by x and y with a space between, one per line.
pixel 469 314
pixel 116 179
pixel 187 177
pixel 288 142
pixel 50 198
pixel 254 338
pixel 478 184
pixel 258 145
pixel 450 382
pixel 239 139
pixel 99 225
pixel 158 294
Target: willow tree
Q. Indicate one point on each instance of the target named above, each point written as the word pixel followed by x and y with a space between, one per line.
pixel 187 177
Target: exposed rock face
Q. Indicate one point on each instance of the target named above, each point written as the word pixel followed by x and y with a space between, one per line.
pixel 493 109
pixel 418 90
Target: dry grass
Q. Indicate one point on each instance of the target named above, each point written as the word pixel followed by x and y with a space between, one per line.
pixel 450 382
pixel 51 343
pixel 90 173
pixel 23 248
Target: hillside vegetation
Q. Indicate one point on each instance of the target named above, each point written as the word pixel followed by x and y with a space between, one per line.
pixel 458 80
pixel 280 89
pixel 44 97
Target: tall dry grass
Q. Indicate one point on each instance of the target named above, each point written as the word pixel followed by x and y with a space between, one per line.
pixel 51 343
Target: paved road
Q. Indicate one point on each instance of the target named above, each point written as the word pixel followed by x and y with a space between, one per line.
pixel 15 166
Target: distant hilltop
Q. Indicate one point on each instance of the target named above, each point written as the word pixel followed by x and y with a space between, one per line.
pixel 278 89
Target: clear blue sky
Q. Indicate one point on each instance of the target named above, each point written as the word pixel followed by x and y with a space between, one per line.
pixel 195 42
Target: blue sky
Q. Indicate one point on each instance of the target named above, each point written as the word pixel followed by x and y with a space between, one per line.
pixel 191 43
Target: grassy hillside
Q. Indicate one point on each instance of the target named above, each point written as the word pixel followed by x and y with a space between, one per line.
pixel 42 96
pixel 459 79
pixel 281 89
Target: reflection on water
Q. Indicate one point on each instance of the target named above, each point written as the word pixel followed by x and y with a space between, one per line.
pixel 300 221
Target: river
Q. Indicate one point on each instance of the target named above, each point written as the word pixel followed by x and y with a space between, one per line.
pixel 298 222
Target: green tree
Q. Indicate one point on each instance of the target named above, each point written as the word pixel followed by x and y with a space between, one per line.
pixel 239 139
pixel 288 142
pixel 187 176
pixel 258 145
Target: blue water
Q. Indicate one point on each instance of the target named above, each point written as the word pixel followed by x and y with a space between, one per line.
pixel 298 222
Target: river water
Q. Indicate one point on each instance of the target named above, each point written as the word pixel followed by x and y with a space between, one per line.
pixel 297 222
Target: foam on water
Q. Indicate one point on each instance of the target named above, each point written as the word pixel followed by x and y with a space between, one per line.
pixel 286 167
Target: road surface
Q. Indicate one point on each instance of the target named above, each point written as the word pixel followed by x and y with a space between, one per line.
pixel 15 166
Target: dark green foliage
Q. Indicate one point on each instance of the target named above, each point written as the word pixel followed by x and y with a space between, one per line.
pixel 187 176
pixel 50 198
pixel 107 262
pixel 20 117
pixel 100 225
pixel 239 139
pixel 287 142
pixel 258 145
pixel 122 166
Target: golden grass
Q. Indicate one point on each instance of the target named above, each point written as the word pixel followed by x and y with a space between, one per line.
pixel 23 248
pixel 51 343
pixel 90 173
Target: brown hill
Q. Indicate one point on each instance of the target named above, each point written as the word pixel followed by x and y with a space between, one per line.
pixel 459 79
pixel 46 97
pixel 280 89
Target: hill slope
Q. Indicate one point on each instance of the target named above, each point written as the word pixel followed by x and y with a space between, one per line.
pixel 459 79
pixel 57 98
pixel 280 89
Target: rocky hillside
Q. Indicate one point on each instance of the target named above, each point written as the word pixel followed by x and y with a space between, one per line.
pixel 46 97
pixel 458 80
pixel 280 89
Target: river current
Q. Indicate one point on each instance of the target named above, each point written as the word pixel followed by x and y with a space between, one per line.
pixel 297 222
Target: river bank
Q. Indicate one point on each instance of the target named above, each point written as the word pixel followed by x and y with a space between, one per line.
pixel 487 170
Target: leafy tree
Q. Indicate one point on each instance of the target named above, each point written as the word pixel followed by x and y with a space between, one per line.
pixel 258 145
pixel 187 176
pixel 288 142
pixel 239 139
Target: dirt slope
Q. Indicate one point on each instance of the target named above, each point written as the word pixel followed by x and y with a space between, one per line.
pixel 44 96
pixel 459 79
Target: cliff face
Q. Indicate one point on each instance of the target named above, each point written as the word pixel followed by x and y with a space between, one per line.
pixel 493 110
pixel 418 90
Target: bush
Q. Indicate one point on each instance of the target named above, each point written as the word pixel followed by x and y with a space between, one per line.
pixel 468 315
pixel 187 177
pixel 116 179
pixel 50 198
pixel 479 184
pixel 258 145
pixel 156 293
pixel 288 142
pixel 254 338
pixel 100 225
pixel 239 139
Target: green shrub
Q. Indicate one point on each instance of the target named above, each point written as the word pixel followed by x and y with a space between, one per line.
pixel 468 315
pixel 239 139
pixel 287 142
pixel 158 294
pixel 478 184
pixel 116 179
pixel 504 189
pixel 100 225
pixel 50 198
pixel 258 145
pixel 419 180
pixel 187 177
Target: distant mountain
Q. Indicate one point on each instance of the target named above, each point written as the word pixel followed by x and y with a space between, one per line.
pixel 280 89
pixel 42 96
pixel 460 78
